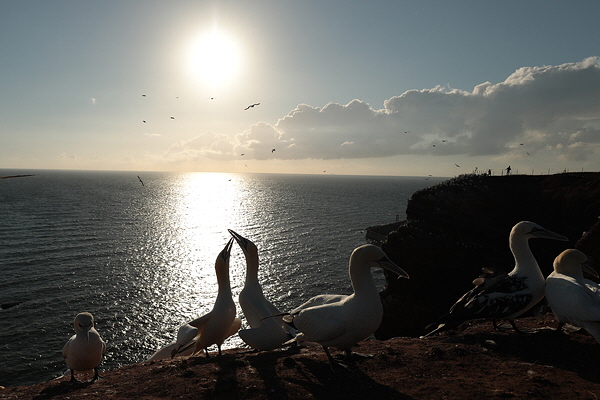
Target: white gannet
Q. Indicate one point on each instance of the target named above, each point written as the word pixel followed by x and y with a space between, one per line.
pixel 342 321
pixel 220 322
pixel 182 346
pixel 266 332
pixel 572 298
pixel 83 351
pixel 498 295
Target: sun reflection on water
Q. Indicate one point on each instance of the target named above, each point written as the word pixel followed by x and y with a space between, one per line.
pixel 193 224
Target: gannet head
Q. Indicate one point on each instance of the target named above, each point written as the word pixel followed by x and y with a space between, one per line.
pixel 247 246
pixel 572 262
pixel 530 230
pixel 83 323
pixel 374 256
pixel 226 252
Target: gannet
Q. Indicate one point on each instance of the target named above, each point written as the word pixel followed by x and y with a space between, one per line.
pixel 220 322
pixel 84 350
pixel 265 333
pixel 342 321
pixel 182 346
pixel 572 298
pixel 498 295
pixel 251 105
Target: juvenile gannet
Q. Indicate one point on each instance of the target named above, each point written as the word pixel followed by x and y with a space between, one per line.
pixel 342 321
pixel 220 322
pixel 265 333
pixel 498 295
pixel 84 350
pixel 572 298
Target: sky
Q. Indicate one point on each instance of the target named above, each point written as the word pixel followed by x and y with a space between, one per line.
pixel 409 88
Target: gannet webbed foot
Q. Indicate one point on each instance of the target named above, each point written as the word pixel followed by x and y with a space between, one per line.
pixel 73 379
pixel 340 364
pixel 96 375
pixel 514 326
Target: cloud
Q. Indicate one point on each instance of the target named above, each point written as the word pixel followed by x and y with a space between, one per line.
pixel 545 108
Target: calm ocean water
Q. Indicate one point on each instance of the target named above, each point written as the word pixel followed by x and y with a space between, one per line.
pixel 141 258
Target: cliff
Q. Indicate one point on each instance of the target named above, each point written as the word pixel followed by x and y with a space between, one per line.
pixel 457 227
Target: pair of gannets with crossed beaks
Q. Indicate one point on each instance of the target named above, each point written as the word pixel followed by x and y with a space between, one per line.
pixel 572 298
pixel 267 329
pixel 84 350
pixel 498 295
pixel 212 328
pixel 342 321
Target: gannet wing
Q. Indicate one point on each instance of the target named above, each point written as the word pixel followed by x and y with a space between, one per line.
pixel 318 324
pixel 319 301
pixel 268 337
pixel 65 350
pixel 497 297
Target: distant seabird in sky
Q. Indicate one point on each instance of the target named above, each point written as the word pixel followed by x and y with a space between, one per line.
pixel 83 352
pixel 141 181
pixel 498 295
pixel 251 105
pixel 272 150
pixel 220 322
pixel 264 333
pixel 342 321
pixel 573 298
pixel 172 117
pixel 457 165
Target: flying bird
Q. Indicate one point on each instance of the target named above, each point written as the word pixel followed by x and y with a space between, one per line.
pixel 143 95
pixel 342 321
pixel 457 165
pixel 573 298
pixel 272 150
pixel 141 181
pixel 498 295
pixel 84 350
pixel 251 105
pixel 172 117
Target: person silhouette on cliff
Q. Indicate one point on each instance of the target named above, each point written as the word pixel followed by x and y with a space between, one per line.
pixel 508 170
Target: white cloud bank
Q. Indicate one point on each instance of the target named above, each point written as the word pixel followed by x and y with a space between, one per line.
pixel 542 108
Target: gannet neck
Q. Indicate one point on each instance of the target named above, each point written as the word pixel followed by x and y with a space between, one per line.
pixel 524 259
pixel 251 269
pixel 362 281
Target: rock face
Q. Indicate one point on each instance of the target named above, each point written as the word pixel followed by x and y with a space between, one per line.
pixel 459 226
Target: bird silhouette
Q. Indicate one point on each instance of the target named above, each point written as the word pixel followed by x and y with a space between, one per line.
pixel 251 105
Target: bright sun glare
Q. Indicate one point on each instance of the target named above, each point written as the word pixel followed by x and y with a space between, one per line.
pixel 215 58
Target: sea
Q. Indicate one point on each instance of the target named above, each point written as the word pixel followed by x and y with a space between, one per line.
pixel 138 249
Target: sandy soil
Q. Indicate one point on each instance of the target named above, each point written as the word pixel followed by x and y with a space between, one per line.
pixel 476 363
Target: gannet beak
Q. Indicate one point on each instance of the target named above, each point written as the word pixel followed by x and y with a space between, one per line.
pixel 546 234
pixel 586 267
pixel 242 241
pixel 225 253
pixel 386 263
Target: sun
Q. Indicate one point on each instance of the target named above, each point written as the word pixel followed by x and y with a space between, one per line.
pixel 215 58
